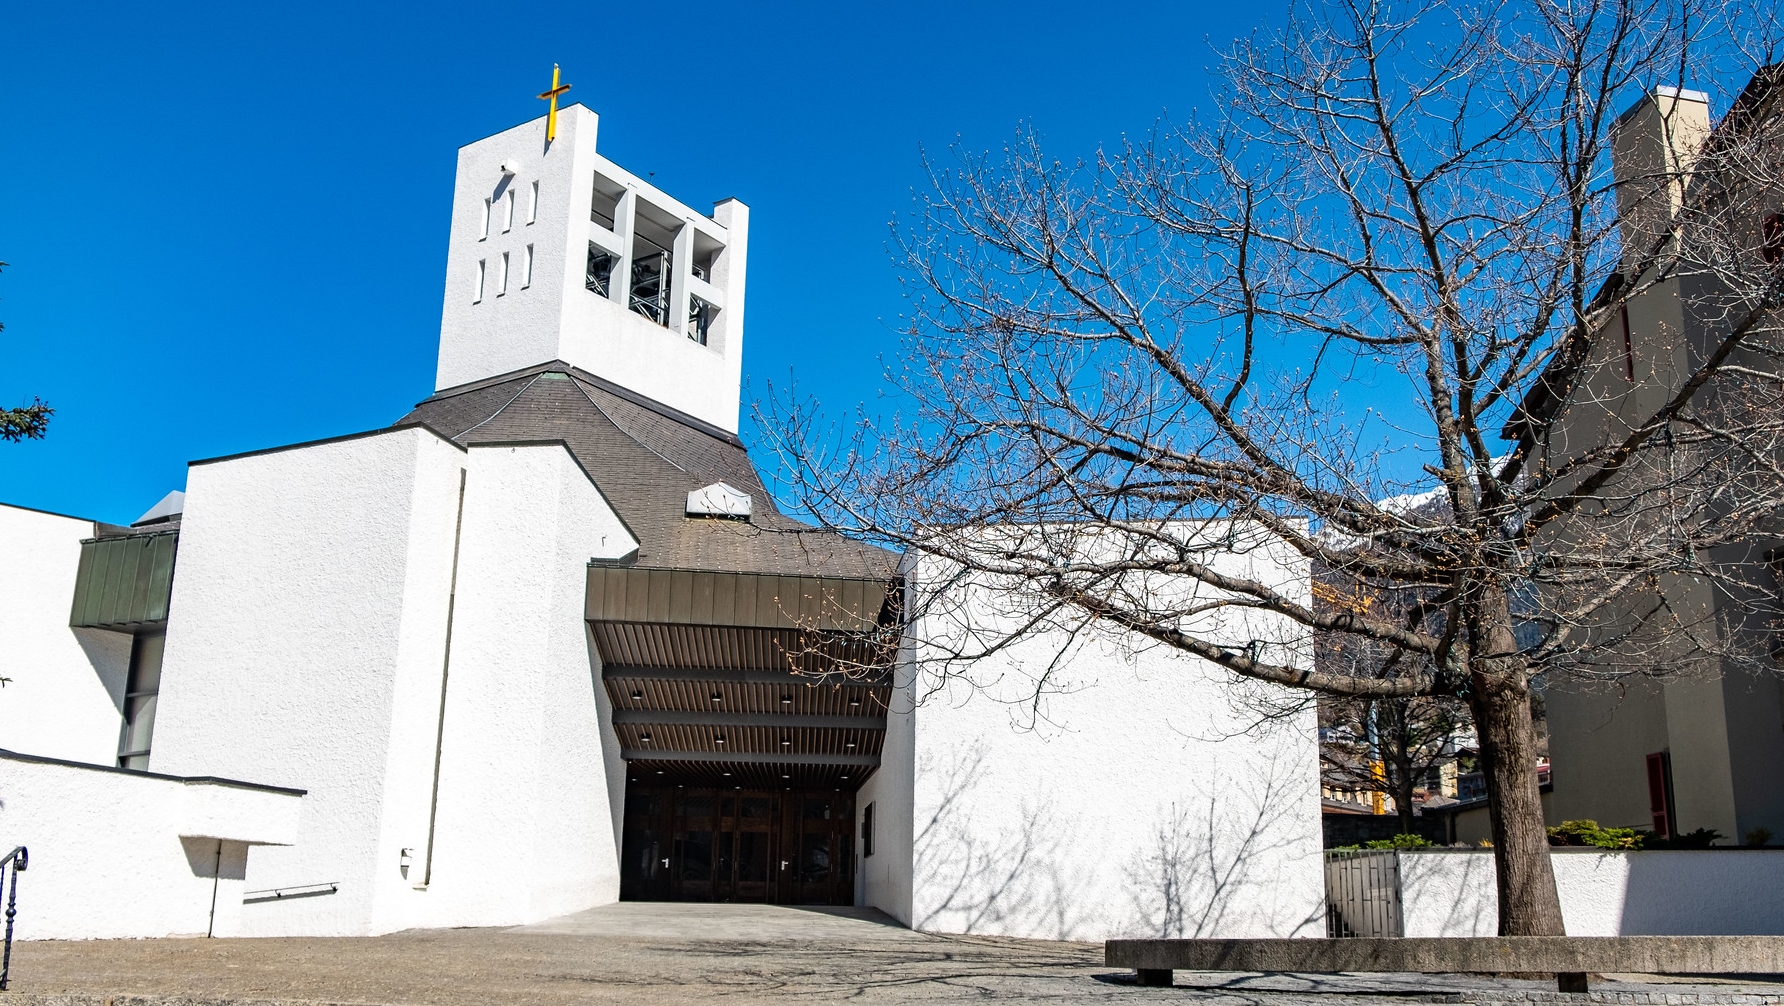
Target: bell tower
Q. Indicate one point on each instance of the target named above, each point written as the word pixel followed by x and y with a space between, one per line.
pixel 557 253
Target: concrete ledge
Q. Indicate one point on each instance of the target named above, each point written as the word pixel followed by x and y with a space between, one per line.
pixel 1570 958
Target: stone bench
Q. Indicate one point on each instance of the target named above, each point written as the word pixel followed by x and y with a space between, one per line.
pixel 1569 958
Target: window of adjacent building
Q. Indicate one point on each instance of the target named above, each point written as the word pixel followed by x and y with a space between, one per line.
pixel 1628 345
pixel 867 831
pixel 502 275
pixel 482 270
pixel 483 229
pixel 140 690
pixel 533 205
pixel 526 268
pixel 508 211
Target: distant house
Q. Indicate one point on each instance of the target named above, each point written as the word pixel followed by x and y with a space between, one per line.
pixel 1701 750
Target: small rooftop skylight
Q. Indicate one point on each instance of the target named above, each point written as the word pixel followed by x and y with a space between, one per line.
pixel 719 500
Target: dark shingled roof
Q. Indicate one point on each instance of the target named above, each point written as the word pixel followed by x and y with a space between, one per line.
pixel 646 457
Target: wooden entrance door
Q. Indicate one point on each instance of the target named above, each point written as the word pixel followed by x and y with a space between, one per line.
pixel 818 849
pixel 707 844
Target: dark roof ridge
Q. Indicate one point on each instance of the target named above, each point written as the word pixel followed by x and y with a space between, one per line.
pixel 617 390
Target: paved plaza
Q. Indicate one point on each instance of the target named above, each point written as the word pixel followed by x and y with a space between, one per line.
pixel 732 954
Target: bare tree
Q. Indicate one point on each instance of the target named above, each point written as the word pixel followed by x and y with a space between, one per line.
pixel 1380 744
pixel 1130 364
pixel 1391 746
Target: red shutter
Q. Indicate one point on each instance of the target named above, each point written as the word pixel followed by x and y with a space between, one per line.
pixel 1659 799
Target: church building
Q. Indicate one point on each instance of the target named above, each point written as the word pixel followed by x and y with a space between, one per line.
pixel 545 643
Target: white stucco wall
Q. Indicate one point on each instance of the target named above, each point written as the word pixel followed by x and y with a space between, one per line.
pixel 527 810
pixel 884 879
pixel 1658 893
pixel 117 854
pixel 304 650
pixel 1138 792
pixel 66 692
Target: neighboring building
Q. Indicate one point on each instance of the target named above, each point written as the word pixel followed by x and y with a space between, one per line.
pixel 1688 751
pixel 546 643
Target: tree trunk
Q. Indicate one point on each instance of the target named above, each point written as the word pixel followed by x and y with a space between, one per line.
pixel 1499 697
pixel 1397 757
pixel 1403 794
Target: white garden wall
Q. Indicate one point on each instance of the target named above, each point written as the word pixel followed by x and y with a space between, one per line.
pixel 144 856
pixel 1659 893
pixel 65 695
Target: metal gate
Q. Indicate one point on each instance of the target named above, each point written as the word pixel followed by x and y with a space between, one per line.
pixel 1363 893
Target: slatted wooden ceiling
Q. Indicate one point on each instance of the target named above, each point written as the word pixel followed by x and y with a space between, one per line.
pixel 744 680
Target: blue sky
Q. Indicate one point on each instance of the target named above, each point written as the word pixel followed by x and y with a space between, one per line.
pixel 227 223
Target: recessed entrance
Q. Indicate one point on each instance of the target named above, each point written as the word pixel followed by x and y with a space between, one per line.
pixel 786 847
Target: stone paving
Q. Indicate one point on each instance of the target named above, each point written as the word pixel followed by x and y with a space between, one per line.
pixel 741 954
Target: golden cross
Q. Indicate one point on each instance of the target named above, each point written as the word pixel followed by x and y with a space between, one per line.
pixel 552 96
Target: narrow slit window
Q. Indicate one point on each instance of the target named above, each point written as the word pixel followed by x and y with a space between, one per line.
pixel 502 276
pixel 526 269
pixel 482 271
pixel 483 228
pixel 508 211
pixel 533 206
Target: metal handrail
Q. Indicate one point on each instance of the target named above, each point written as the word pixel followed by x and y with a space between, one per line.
pixel 17 859
pixel 294 891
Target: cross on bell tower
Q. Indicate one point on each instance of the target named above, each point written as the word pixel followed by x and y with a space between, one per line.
pixel 552 96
